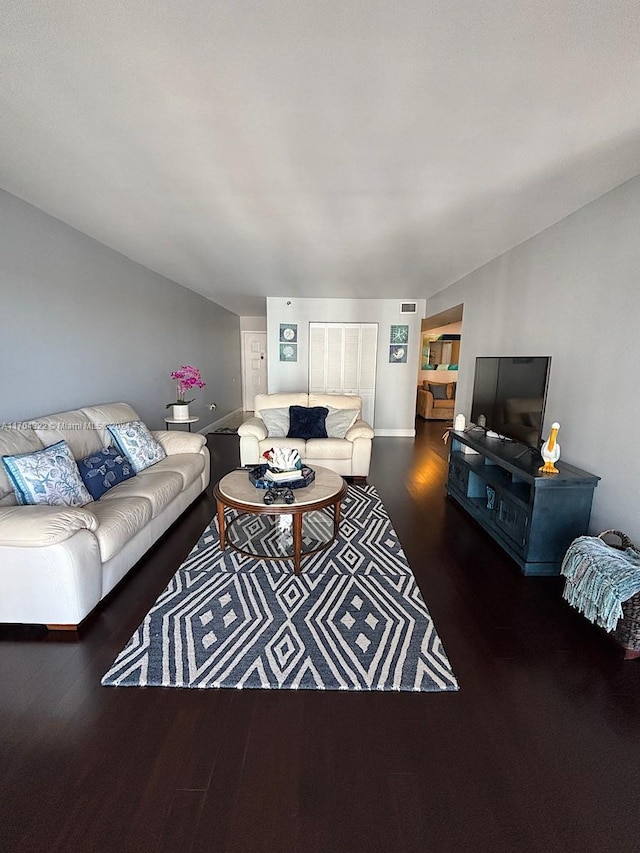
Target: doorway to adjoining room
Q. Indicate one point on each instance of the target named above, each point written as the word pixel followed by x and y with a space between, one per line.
pixel 438 366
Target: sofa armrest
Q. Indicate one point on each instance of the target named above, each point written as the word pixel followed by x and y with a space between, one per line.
pixel 174 442
pixel 255 427
pixel 35 526
pixel 360 429
pixel 424 403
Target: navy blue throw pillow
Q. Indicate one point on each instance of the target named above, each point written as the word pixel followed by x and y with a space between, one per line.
pixel 307 422
pixel 104 469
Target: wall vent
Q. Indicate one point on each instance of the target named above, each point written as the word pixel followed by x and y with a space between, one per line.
pixel 408 307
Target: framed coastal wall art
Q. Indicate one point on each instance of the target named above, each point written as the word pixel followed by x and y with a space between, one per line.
pixel 288 341
pixel 288 352
pixel 398 344
pixel 288 333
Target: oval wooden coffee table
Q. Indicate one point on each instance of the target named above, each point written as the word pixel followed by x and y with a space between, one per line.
pixel 236 491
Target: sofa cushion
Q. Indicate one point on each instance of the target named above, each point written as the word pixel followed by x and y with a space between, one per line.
pixel 307 423
pixel 339 421
pixel 109 413
pixel 296 443
pixel 119 519
pixel 137 444
pixel 328 448
pixel 158 487
pixel 188 465
pixel 12 442
pixel 104 469
pixel 276 421
pixel 443 404
pixel 336 401
pixel 49 476
pixel 275 401
pixel 73 427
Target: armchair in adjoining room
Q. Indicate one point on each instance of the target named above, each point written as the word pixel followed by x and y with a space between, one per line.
pixel 436 400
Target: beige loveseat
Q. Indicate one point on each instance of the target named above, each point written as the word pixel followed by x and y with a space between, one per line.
pixel 349 456
pixel 58 562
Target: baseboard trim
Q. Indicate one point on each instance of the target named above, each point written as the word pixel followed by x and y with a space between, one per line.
pixel 398 433
pixel 221 421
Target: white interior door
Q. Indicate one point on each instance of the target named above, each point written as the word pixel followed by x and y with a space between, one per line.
pixel 254 367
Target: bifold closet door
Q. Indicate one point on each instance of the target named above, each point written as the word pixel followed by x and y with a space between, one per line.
pixel 342 360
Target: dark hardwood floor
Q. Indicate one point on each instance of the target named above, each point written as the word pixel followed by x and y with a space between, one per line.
pixel 538 751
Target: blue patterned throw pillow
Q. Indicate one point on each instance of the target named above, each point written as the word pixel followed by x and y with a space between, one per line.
pixel 102 470
pixel 48 476
pixel 137 444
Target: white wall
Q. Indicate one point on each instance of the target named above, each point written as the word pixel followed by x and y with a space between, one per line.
pixel 395 404
pixel 82 324
pixel 450 329
pixel 253 324
pixel 572 292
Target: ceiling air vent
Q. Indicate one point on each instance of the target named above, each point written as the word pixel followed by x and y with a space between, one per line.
pixel 408 307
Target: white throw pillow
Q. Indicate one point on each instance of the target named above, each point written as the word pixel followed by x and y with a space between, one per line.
pixel 138 445
pixel 339 421
pixel 276 422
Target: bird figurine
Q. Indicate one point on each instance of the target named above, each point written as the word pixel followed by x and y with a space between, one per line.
pixel 551 451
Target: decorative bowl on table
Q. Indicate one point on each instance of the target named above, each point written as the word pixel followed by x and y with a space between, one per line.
pixel 257 477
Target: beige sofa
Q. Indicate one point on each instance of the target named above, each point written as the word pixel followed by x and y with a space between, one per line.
pixel 432 408
pixel 349 456
pixel 57 563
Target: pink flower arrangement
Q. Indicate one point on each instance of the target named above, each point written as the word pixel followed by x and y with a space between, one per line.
pixel 186 378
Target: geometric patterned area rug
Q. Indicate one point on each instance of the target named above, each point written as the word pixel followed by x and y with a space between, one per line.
pixel 353 619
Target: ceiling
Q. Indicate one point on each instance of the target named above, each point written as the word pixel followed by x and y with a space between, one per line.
pixel 352 148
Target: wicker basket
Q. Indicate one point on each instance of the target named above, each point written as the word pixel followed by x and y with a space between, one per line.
pixel 627 631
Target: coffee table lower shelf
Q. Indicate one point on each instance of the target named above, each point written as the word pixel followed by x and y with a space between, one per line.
pixel 326 493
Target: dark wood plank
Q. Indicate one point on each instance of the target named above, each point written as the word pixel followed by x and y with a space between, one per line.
pixel 537 751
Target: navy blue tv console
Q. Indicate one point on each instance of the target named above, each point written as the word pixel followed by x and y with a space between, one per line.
pixel 533 516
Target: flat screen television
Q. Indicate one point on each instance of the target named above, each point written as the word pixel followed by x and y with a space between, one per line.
pixel 510 392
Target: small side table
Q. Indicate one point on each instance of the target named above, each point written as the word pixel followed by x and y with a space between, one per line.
pixel 188 421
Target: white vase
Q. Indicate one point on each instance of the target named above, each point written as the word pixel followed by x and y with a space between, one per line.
pixel 181 412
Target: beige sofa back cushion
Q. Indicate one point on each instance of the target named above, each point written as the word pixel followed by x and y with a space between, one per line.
pixel 109 413
pixel 337 401
pixel 279 401
pixel 73 427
